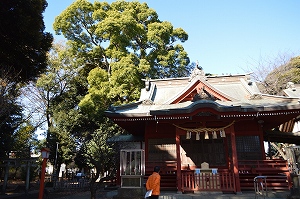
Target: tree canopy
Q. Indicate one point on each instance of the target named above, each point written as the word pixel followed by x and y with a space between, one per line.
pixel 107 33
pixel 56 95
pixel 125 42
pixel 23 56
pixel 273 75
pixel 24 44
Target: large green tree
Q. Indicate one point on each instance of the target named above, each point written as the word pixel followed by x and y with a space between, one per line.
pixel 118 44
pixel 23 49
pixel 109 32
pixel 24 44
pixel 54 99
pixel 74 132
pixel 126 42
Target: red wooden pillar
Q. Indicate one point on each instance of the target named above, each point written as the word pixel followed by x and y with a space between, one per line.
pixel 146 138
pixel 261 140
pixel 234 159
pixel 178 173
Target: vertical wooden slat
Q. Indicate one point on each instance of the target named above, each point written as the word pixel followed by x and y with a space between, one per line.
pixel 222 181
pixel 179 180
pixel 234 158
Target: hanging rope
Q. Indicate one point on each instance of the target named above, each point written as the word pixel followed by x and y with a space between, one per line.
pixel 204 129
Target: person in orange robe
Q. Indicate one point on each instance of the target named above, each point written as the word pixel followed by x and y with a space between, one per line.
pixel 153 183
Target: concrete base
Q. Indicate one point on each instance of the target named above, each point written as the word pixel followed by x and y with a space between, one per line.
pixel 294 193
pixel 130 193
pixel 208 192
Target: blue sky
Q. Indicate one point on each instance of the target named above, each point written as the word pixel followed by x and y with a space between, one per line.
pixel 224 36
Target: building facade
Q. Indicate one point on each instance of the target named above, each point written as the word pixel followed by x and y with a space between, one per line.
pixel 208 133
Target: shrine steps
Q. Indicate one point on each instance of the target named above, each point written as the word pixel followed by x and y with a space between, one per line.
pixel 276 171
pixel 167 182
pixel 274 182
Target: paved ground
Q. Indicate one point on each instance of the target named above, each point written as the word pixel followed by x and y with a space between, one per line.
pixel 105 194
pixel 110 192
pixel 213 195
pixel 58 195
pixel 16 190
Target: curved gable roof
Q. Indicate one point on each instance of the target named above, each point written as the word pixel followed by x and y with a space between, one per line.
pixel 176 95
pixel 177 90
pixel 196 86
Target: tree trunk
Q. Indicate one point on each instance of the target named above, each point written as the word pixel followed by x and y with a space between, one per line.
pixel 93 190
pixel 93 185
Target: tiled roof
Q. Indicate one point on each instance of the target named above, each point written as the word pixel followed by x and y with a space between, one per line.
pixel 242 93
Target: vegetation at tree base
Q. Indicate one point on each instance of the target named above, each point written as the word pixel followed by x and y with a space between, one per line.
pixel 97 154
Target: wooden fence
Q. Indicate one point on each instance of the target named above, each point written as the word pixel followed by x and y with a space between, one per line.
pixel 221 181
pixel 72 184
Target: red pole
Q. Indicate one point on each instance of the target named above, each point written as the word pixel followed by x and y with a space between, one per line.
pixel 41 193
pixel 178 173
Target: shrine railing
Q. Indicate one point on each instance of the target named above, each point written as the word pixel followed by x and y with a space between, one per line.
pixel 263 167
pixel 276 170
pixel 221 181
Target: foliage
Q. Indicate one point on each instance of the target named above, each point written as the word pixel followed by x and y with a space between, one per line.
pixel 23 49
pixel 294 73
pixel 10 116
pixel 22 58
pixel 127 42
pixel 272 74
pixel 25 140
pixel 61 88
pixel 277 80
pixel 9 124
pixel 52 103
pixel 32 173
pixel 95 153
pixel 17 138
pixel 23 43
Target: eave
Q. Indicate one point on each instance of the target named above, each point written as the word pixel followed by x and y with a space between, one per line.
pixel 282 137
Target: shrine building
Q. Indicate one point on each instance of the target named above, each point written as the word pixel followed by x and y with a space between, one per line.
pixel 207 133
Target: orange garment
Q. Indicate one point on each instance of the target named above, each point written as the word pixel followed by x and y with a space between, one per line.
pixel 153 183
